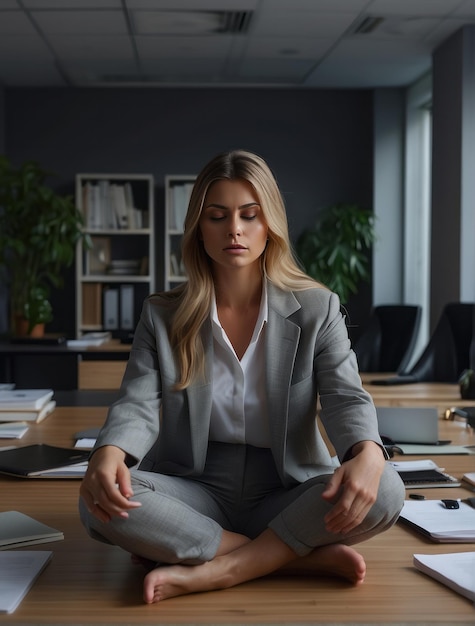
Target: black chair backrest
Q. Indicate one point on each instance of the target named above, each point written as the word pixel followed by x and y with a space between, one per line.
pixel 448 351
pixel 387 342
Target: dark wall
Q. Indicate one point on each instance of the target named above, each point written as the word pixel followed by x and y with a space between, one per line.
pixel 319 144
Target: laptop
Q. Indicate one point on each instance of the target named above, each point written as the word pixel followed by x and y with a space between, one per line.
pixel 409 425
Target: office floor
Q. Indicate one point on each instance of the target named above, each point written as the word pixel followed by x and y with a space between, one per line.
pixel 92 583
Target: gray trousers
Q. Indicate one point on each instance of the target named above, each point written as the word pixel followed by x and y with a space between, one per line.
pixel 181 520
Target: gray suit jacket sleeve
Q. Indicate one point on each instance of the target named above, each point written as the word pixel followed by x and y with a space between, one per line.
pixel 308 356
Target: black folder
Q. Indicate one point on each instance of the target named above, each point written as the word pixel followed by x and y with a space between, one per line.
pixel 40 460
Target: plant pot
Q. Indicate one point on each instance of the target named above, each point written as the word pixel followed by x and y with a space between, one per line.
pixel 21 328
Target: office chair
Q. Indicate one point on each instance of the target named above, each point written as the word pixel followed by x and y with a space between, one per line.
pixel 449 351
pixel 388 340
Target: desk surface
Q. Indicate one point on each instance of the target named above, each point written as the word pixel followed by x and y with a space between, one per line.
pixel 110 348
pixel 92 583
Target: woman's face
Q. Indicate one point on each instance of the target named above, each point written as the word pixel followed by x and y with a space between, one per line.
pixel 232 226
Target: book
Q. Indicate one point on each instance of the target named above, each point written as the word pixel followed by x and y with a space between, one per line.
pixel 18 530
pixel 90 340
pixel 21 415
pixel 469 477
pixel 18 572
pixel 24 399
pixel 41 460
pixel 438 523
pixel 423 474
pixel 13 430
pixel 456 570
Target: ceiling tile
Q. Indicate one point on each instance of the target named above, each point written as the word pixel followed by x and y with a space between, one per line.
pixel 466 9
pixel 93 47
pixel 81 22
pixel 412 7
pixel 304 24
pixel 193 5
pixel 15 23
pixel 287 47
pixel 72 4
pixel 183 47
pixel 276 71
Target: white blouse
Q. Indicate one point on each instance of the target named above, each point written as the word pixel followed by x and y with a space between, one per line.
pixel 239 410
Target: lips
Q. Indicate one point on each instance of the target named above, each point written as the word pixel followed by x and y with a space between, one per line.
pixel 235 247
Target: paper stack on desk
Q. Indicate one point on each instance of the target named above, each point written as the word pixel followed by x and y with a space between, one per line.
pixel 26 405
pixel 456 570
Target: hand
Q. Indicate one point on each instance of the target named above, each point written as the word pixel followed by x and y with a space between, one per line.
pixel 106 488
pixel 353 488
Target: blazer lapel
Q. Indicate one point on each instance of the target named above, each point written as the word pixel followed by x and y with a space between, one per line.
pixel 281 346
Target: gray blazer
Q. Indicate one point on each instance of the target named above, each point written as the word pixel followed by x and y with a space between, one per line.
pixel 308 356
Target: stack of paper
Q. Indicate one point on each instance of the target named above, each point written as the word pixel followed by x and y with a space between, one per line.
pixel 26 405
pixel 457 571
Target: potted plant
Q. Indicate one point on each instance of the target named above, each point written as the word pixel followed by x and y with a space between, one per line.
pixel 336 251
pixel 39 230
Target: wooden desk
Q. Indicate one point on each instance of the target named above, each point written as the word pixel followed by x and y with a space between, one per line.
pixel 92 583
pixel 440 395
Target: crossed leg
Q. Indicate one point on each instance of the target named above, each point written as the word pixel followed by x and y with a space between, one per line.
pixel 248 560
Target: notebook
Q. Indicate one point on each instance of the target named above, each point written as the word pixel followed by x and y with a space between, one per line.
pixel 438 523
pixel 409 425
pixel 19 569
pixel 18 530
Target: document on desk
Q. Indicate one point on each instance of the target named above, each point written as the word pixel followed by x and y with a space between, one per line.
pixel 456 570
pixel 19 569
pixel 438 523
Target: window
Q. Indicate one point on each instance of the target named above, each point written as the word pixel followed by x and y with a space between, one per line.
pixel 417 203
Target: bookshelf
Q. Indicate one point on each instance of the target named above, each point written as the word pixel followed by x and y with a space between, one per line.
pixel 177 194
pixel 115 275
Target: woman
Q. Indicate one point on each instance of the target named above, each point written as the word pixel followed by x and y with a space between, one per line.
pixel 211 466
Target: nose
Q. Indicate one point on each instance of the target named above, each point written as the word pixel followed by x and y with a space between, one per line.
pixel 234 226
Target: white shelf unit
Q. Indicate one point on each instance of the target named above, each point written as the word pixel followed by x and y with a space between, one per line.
pixel 118 272
pixel 177 194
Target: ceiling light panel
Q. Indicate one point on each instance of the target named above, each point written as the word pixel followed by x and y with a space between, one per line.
pixel 177 22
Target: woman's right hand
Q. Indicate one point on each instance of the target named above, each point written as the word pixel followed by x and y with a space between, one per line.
pixel 106 488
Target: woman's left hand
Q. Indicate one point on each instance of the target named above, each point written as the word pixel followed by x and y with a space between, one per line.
pixel 353 487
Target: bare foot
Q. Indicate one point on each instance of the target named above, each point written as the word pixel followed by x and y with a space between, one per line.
pixel 335 559
pixel 176 580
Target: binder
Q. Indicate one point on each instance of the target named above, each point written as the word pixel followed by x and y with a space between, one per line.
pixel 127 307
pixel 111 308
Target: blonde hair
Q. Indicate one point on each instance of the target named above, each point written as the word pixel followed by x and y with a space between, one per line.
pixel 195 296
